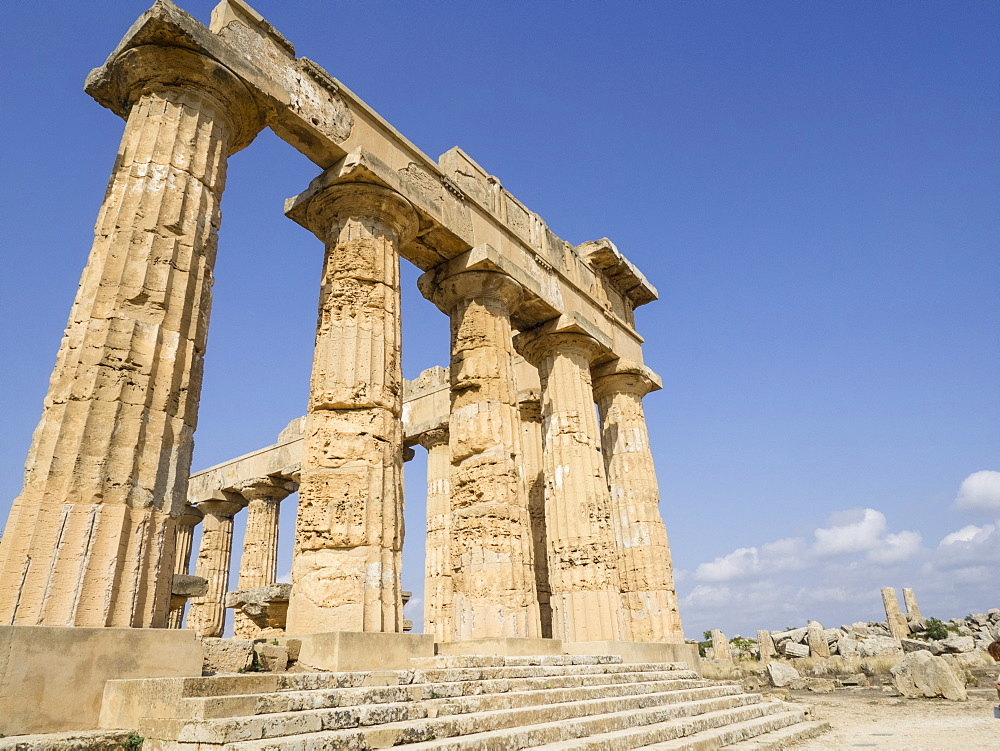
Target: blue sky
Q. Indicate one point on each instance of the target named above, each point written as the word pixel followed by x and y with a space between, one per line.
pixel 813 188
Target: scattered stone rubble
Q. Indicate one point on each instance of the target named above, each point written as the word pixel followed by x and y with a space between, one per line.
pixel 916 663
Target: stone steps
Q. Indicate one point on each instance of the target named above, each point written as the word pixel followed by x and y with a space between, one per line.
pixel 468 703
pixel 443 698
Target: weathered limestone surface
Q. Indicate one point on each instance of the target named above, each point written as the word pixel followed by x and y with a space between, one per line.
pixel 183 539
pixel 894 619
pixel 818 646
pixel 490 548
pixel 649 600
pixel 437 574
pixel 259 562
pixel 720 645
pixel 912 609
pixel 534 480
pixel 208 613
pixel 765 645
pixel 90 539
pixel 922 674
pixel 348 535
pixel 586 593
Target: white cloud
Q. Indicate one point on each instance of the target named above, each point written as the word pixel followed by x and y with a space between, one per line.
pixel 980 491
pixel 854 531
pixel 896 548
pixel 738 564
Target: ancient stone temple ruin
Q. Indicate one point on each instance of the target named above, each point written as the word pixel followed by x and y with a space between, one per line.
pixel 543 528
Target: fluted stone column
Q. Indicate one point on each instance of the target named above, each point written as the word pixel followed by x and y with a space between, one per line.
pixel 530 409
pixel 89 541
pixel 493 581
pixel 437 569
pixel 720 645
pixel 259 562
pixel 586 596
pixel 348 535
pixel 207 614
pixel 183 538
pixel 897 624
pixel 649 600
pixel 912 609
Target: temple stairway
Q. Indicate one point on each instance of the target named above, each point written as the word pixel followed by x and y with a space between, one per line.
pixel 471 703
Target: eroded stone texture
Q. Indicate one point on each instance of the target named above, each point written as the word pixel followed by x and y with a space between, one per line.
pixel 765 645
pixel 649 600
pixel 437 571
pixel 910 602
pixel 348 536
pixel 490 547
pixel 720 645
pixel 259 562
pixel 208 613
pixel 534 479
pixel 816 637
pixel 89 541
pixel 183 538
pixel 585 588
pixel 895 620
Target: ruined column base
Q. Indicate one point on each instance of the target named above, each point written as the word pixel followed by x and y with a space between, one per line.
pixel 261 613
pixel 638 651
pixel 360 650
pixel 52 677
pixel 501 647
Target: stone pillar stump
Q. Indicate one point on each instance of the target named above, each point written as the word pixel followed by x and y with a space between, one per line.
pixel 207 614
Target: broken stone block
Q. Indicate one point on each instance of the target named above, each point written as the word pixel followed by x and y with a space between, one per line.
pixel 879 645
pixel 781 674
pixel 915 645
pixel 271 658
pixel 266 607
pixel 858 679
pixel 848 647
pixel 184 585
pixel 922 674
pixel 226 655
pixel 957 644
pixel 819 685
pixel 794 649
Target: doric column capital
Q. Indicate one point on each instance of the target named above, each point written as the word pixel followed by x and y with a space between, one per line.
pixel 124 79
pixel 322 208
pixel 448 293
pixel 191 516
pixel 267 489
pixel 625 376
pixel 432 438
pixel 222 509
pixel 535 345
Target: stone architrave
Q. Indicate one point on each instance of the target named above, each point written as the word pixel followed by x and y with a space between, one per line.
pixel 816 638
pixel 183 538
pixel 895 620
pixel 437 569
pixel 910 601
pixel 259 562
pixel 649 599
pixel 720 645
pixel 765 645
pixel 534 480
pixel 89 541
pixel 493 581
pixel 348 535
pixel 585 587
pixel 207 614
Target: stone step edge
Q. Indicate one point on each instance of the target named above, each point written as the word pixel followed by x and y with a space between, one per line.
pixel 395 734
pixel 726 736
pixel 646 735
pixel 189 708
pixel 781 738
pixel 515 671
pixel 73 740
pixel 516 660
pixel 410 716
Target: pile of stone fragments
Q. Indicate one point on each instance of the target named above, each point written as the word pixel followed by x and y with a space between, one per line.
pixel 913 654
